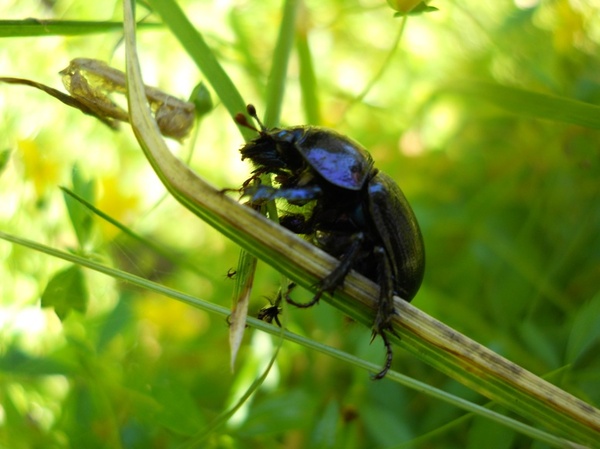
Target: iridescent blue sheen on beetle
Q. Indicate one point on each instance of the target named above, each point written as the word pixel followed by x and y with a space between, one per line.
pixel 351 210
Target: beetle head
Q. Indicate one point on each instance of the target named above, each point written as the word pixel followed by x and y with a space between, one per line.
pixel 273 148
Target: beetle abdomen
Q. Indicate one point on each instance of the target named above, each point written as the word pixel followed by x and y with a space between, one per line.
pixel 398 229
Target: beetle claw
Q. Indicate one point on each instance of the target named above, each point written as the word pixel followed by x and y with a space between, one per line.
pixel 389 355
pixel 382 326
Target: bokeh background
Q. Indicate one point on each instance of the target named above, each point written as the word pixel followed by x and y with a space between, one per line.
pixel 508 204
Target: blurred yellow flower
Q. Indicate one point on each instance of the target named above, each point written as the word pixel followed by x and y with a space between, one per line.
pixel 117 203
pixel 569 26
pixel 171 319
pixel 39 166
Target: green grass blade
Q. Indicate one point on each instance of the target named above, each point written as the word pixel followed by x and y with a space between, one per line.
pixel 36 27
pixel 281 57
pixel 175 259
pixel 531 104
pixel 308 79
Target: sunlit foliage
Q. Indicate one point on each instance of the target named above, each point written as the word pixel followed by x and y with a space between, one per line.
pixel 509 205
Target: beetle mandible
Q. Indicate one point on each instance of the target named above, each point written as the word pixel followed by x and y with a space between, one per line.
pixel 351 210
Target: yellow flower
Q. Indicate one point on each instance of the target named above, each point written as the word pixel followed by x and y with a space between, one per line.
pixel 40 166
pixel 118 204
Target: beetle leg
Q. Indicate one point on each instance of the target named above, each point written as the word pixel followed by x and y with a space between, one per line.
pixel 385 310
pixel 297 223
pixel 386 292
pixel 301 305
pixel 336 278
pixel 296 195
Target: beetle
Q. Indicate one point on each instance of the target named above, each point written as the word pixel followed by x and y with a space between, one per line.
pixel 348 208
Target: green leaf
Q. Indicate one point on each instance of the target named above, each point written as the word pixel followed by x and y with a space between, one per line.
pixel 115 322
pixel 410 7
pixel 585 331
pixel 66 291
pixel 38 27
pixel 531 104
pixel 537 342
pixel 384 428
pixel 421 9
pixel 81 218
pixel 15 361
pixel 325 429
pixel 178 412
pixel 4 158
pixel 488 434
pixel 290 410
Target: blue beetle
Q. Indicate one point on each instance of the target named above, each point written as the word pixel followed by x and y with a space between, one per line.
pixel 349 209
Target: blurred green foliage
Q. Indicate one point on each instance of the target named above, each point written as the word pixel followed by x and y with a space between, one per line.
pixel 508 204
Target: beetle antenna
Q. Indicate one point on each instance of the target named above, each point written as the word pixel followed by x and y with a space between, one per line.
pixel 242 120
pixel 252 113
